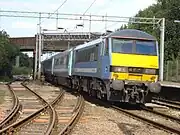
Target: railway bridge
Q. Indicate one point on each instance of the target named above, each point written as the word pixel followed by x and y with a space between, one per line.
pixel 55 42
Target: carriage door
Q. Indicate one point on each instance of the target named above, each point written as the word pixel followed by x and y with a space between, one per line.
pixel 105 62
pixel 70 63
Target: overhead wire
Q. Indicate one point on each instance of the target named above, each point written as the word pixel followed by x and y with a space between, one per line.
pixel 56 10
pixel 89 7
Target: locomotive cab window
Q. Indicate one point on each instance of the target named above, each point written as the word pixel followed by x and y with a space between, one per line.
pixel 146 47
pixel 142 47
pixel 122 46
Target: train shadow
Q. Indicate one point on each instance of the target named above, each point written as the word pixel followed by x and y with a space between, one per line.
pixel 96 101
pixel 170 93
pixel 101 103
pixel 86 97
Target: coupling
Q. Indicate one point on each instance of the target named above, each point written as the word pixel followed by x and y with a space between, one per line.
pixel 117 84
pixel 154 87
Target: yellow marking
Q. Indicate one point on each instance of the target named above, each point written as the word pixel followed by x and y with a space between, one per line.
pixel 134 77
pixel 132 60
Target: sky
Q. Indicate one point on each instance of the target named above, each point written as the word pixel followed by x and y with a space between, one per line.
pixel 22 27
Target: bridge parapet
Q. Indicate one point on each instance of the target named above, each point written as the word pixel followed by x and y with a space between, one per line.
pixel 55 41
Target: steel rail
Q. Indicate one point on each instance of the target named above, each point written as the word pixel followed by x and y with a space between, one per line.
pixel 161 114
pixel 167 101
pixel 14 111
pixel 78 109
pixel 148 121
pixel 141 118
pixel 16 125
pixel 52 111
pixel 166 104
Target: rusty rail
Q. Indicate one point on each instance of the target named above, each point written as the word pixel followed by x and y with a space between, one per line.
pixel 151 122
pixel 161 114
pixel 12 128
pixel 14 111
pixel 167 101
pixel 136 116
pixel 177 107
pixel 78 109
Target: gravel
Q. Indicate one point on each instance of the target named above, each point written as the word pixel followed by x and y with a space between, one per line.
pixel 65 110
pixel 102 121
pixel 98 120
pixel 171 112
pixel 48 92
pixel 5 101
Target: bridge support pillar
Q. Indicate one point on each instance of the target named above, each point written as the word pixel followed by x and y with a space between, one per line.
pixel 17 61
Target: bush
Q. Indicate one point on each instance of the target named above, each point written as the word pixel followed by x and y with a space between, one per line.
pixel 21 70
pixel 5 79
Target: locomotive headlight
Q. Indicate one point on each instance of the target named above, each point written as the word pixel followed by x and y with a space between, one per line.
pixel 120 69
pixel 150 71
pixel 115 76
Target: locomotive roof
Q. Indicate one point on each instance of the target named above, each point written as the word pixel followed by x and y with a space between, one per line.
pixel 132 33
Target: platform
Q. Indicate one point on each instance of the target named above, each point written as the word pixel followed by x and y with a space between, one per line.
pixel 170 84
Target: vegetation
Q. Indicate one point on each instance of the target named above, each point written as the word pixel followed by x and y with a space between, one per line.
pixel 168 9
pixel 8 53
pixel 25 61
pixel 21 70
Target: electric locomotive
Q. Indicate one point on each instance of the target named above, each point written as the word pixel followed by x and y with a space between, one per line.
pixel 122 67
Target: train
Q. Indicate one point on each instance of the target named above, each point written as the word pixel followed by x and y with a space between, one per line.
pixel 122 66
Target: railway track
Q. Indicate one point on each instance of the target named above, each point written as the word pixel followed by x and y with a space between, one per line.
pixel 162 114
pixel 146 115
pixel 31 125
pixel 17 127
pixel 74 118
pixel 151 121
pixel 13 114
pixel 168 103
pixel 68 112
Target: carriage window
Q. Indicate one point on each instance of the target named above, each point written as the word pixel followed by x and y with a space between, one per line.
pixel 106 51
pixel 102 48
pixel 90 54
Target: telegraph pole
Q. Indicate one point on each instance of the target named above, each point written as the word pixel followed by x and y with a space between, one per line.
pixel 36 56
pixel 38 51
pixel 39 59
pixel 162 28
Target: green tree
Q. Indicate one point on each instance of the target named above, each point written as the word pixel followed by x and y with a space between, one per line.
pixel 8 52
pixel 25 60
pixel 168 9
pixel 122 27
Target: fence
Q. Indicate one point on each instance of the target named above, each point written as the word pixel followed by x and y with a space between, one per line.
pixel 172 71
